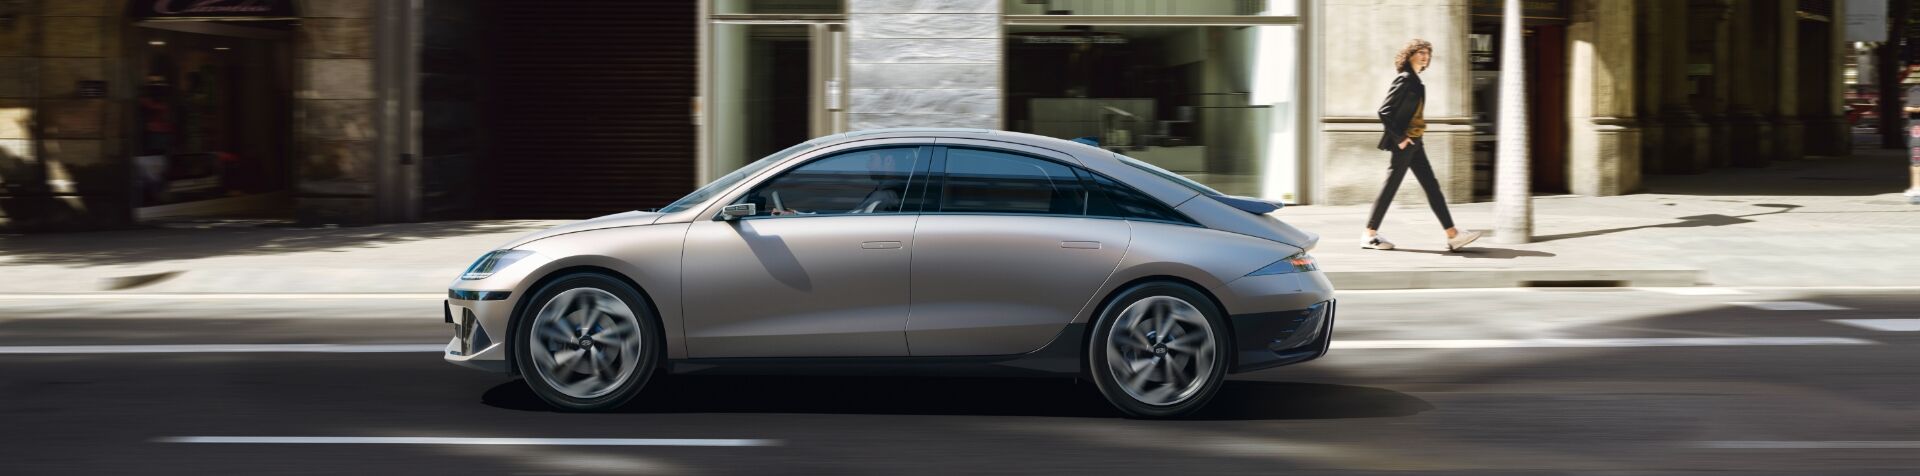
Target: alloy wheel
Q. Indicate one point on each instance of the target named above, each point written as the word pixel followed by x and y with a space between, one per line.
pixel 1161 350
pixel 585 343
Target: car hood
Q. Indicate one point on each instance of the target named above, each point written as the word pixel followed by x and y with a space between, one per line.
pixel 617 220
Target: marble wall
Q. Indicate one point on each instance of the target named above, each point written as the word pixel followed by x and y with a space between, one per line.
pixel 923 63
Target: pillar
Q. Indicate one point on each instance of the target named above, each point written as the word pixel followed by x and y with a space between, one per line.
pixel 1707 45
pixel 334 108
pixel 1604 146
pixel 1685 146
pixel 924 64
pixel 1789 130
pixel 1748 129
pixel 63 163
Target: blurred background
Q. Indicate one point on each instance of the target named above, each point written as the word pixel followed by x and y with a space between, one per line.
pixel 352 112
pixel 235 217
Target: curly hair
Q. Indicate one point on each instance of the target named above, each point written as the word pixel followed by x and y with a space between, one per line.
pixel 1403 61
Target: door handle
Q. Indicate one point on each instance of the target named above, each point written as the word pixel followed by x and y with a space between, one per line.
pixel 879 245
pixel 1081 245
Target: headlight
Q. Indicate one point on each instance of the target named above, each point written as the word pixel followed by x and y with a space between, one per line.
pixel 493 261
pixel 1298 263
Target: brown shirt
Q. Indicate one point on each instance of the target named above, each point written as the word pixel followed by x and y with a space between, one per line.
pixel 1418 126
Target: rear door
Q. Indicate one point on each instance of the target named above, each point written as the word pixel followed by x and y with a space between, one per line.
pixel 1004 253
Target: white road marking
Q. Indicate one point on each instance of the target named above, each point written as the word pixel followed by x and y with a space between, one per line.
pixel 197 297
pixel 1885 325
pixel 1791 306
pixel 434 440
pixel 1697 291
pixel 223 348
pixel 1811 445
pixel 1616 342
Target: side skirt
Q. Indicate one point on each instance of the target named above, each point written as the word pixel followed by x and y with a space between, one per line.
pixel 1059 358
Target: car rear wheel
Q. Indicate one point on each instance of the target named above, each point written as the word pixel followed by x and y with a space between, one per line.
pixel 588 342
pixel 1160 350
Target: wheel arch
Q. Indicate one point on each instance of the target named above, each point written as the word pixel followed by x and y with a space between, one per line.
pixel 519 308
pixel 1100 310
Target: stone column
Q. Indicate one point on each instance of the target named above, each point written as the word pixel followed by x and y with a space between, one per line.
pixel 924 63
pixel 1604 149
pixel 1647 79
pixel 1685 148
pixel 1361 39
pixel 63 163
pixel 334 113
pixel 1827 131
pixel 1788 128
pixel 1746 127
pixel 1707 44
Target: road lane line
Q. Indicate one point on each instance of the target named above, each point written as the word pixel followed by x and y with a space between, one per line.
pixel 1791 306
pixel 213 297
pixel 1616 342
pixel 223 348
pixel 435 440
pixel 1884 325
pixel 1811 445
pixel 1697 291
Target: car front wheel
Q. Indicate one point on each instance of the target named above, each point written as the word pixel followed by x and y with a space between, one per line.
pixel 588 342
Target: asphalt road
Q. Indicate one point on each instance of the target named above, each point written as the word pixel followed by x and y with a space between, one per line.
pixel 1462 382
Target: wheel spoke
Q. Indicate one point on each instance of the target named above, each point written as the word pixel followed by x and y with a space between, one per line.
pixel 1186 344
pixel 613 334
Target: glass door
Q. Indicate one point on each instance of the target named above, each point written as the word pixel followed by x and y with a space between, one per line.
pixel 772 83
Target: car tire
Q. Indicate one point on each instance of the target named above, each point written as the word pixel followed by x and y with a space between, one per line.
pixel 1159 350
pixel 587 342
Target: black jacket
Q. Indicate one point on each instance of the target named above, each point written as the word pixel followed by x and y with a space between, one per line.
pixel 1396 113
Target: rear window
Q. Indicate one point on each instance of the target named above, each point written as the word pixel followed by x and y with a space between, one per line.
pixel 1165 174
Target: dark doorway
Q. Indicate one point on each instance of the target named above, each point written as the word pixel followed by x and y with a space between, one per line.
pixel 589 108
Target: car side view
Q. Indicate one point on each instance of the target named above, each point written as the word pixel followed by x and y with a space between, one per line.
pixel 908 251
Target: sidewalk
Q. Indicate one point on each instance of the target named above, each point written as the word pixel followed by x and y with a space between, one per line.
pixel 1826 222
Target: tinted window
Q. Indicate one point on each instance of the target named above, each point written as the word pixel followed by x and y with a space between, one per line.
pixel 1119 200
pixel 859 182
pixel 980 181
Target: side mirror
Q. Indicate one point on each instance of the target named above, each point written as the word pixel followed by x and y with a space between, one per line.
pixel 737 210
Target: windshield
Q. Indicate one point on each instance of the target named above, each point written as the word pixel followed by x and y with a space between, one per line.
pixel 1163 173
pixel 729 180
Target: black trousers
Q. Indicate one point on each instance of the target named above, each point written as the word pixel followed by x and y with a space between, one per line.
pixel 1413 157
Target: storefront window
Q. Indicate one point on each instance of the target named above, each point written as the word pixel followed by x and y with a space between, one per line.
pixel 209 116
pixel 1217 104
pixel 1151 7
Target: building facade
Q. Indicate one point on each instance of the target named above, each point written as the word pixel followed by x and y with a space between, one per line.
pixel 358 111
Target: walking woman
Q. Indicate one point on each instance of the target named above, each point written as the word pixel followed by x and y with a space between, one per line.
pixel 1401 113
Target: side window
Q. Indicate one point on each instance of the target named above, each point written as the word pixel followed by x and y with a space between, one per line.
pixel 859 182
pixel 981 181
pixel 1119 200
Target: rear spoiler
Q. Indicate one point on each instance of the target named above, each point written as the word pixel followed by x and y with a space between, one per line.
pixel 1248 204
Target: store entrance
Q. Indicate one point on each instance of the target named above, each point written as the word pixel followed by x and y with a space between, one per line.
pixel 211 121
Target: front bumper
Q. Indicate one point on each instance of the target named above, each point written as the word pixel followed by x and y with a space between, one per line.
pixel 1272 339
pixel 479 333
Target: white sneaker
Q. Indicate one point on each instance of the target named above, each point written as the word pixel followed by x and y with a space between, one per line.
pixel 1461 239
pixel 1375 242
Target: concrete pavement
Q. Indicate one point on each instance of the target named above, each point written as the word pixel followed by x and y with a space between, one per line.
pixel 1619 408
pixel 1819 222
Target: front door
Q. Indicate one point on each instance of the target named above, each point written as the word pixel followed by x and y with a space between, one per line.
pixel 820 271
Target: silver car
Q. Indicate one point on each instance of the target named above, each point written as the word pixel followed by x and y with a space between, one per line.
pixel 926 251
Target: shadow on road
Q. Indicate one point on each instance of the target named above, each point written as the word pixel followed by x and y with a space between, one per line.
pixel 1238 400
pixel 1476 252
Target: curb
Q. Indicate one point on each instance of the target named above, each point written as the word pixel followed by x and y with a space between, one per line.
pixel 1514 278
